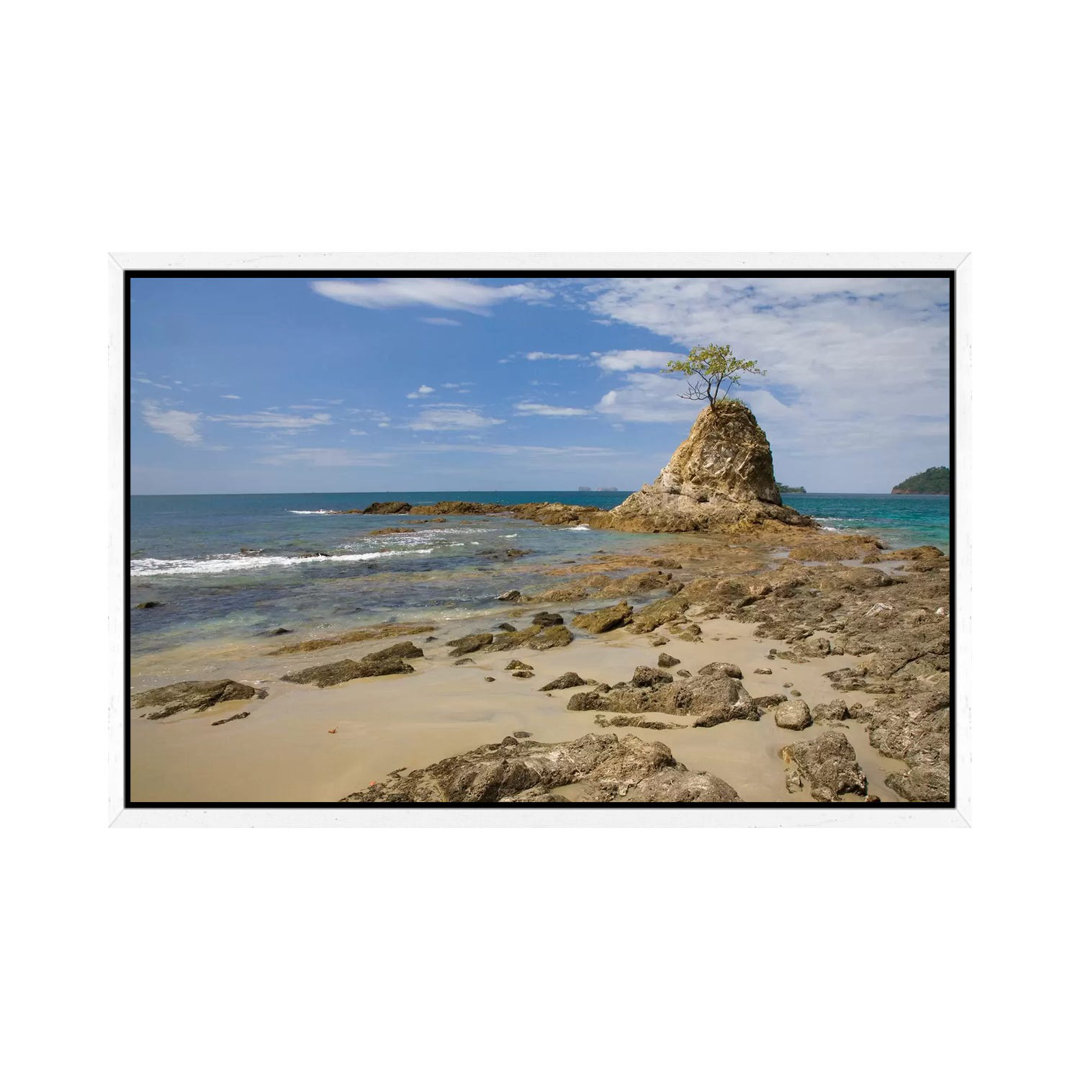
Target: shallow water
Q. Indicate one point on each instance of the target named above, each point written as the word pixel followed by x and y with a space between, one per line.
pixel 236 566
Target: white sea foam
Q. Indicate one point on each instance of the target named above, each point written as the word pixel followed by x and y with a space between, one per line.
pixel 577 528
pixel 231 564
pixel 509 536
pixel 311 511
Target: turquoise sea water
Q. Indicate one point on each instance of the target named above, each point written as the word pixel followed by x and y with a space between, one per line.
pixel 239 565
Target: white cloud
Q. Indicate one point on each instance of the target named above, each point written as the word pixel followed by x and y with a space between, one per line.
pixel 450 418
pixel 273 421
pixel 516 450
pixel 649 398
pixel 629 359
pixel 438 320
pixel 421 391
pixel 453 294
pixel 552 356
pixel 858 368
pixel 529 408
pixel 328 457
pixel 355 431
pixel 231 397
pixel 181 426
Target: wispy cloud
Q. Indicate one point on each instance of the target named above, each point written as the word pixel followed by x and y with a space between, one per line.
pixel 531 408
pixel 451 418
pixel 552 356
pixel 439 320
pixel 648 398
pixel 328 457
pixel 273 421
pixel 630 359
pixel 231 397
pixel 421 391
pixel 452 294
pixel 178 425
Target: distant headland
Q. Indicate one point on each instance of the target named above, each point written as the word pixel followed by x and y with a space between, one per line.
pixel 935 481
pixel 785 489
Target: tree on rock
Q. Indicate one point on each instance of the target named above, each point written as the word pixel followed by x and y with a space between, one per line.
pixel 708 368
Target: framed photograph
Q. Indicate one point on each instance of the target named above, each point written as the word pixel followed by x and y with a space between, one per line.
pixel 543 540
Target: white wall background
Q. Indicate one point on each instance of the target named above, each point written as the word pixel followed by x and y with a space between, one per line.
pixel 555 127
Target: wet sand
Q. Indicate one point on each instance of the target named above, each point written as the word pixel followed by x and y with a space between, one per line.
pixel 284 750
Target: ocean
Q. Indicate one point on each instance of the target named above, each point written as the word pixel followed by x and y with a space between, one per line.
pixel 233 566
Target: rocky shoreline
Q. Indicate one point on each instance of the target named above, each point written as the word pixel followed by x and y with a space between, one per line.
pixel 871 625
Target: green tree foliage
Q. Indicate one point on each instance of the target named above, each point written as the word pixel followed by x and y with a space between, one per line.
pixel 712 372
pixel 933 481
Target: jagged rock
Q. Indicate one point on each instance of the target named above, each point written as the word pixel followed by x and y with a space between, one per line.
pixel 393 530
pixel 666 661
pixel 522 734
pixel 523 673
pixel 510 597
pixel 510 628
pixel 923 783
pixel 278 632
pixel 600 622
pixel 181 696
pixel 763 671
pixel 470 643
pixel 649 617
pixel 721 475
pixel 489 678
pixel 830 712
pixel 826 766
pixel 714 699
pixel 533 637
pixel 672 786
pixel 385 508
pixel 564 682
pixel 547 618
pixel 647 676
pixel 915 730
pixel 607 768
pixel 518 665
pixel 794 715
pixel 732 671
pixel 463 661
pixel 324 675
pixel 147 604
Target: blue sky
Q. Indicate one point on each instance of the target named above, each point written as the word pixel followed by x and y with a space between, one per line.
pixel 451 384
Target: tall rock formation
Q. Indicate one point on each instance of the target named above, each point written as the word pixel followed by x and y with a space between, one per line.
pixel 721 475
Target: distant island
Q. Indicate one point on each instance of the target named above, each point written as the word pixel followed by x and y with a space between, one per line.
pixel 935 481
pixel 785 490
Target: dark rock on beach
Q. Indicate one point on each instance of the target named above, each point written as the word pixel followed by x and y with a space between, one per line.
pixel 389 661
pixel 565 682
pixel 794 715
pixel 470 643
pixel 665 661
pixel 147 604
pixel 826 766
pixel 714 699
pixel 604 620
pixel 605 768
pixel 199 696
pixel 532 637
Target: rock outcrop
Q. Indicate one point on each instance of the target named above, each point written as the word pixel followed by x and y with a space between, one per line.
pixel 826 765
pixel 721 475
pixel 181 696
pixel 605 768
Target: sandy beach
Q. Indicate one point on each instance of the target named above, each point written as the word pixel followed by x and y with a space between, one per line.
pixel 303 743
